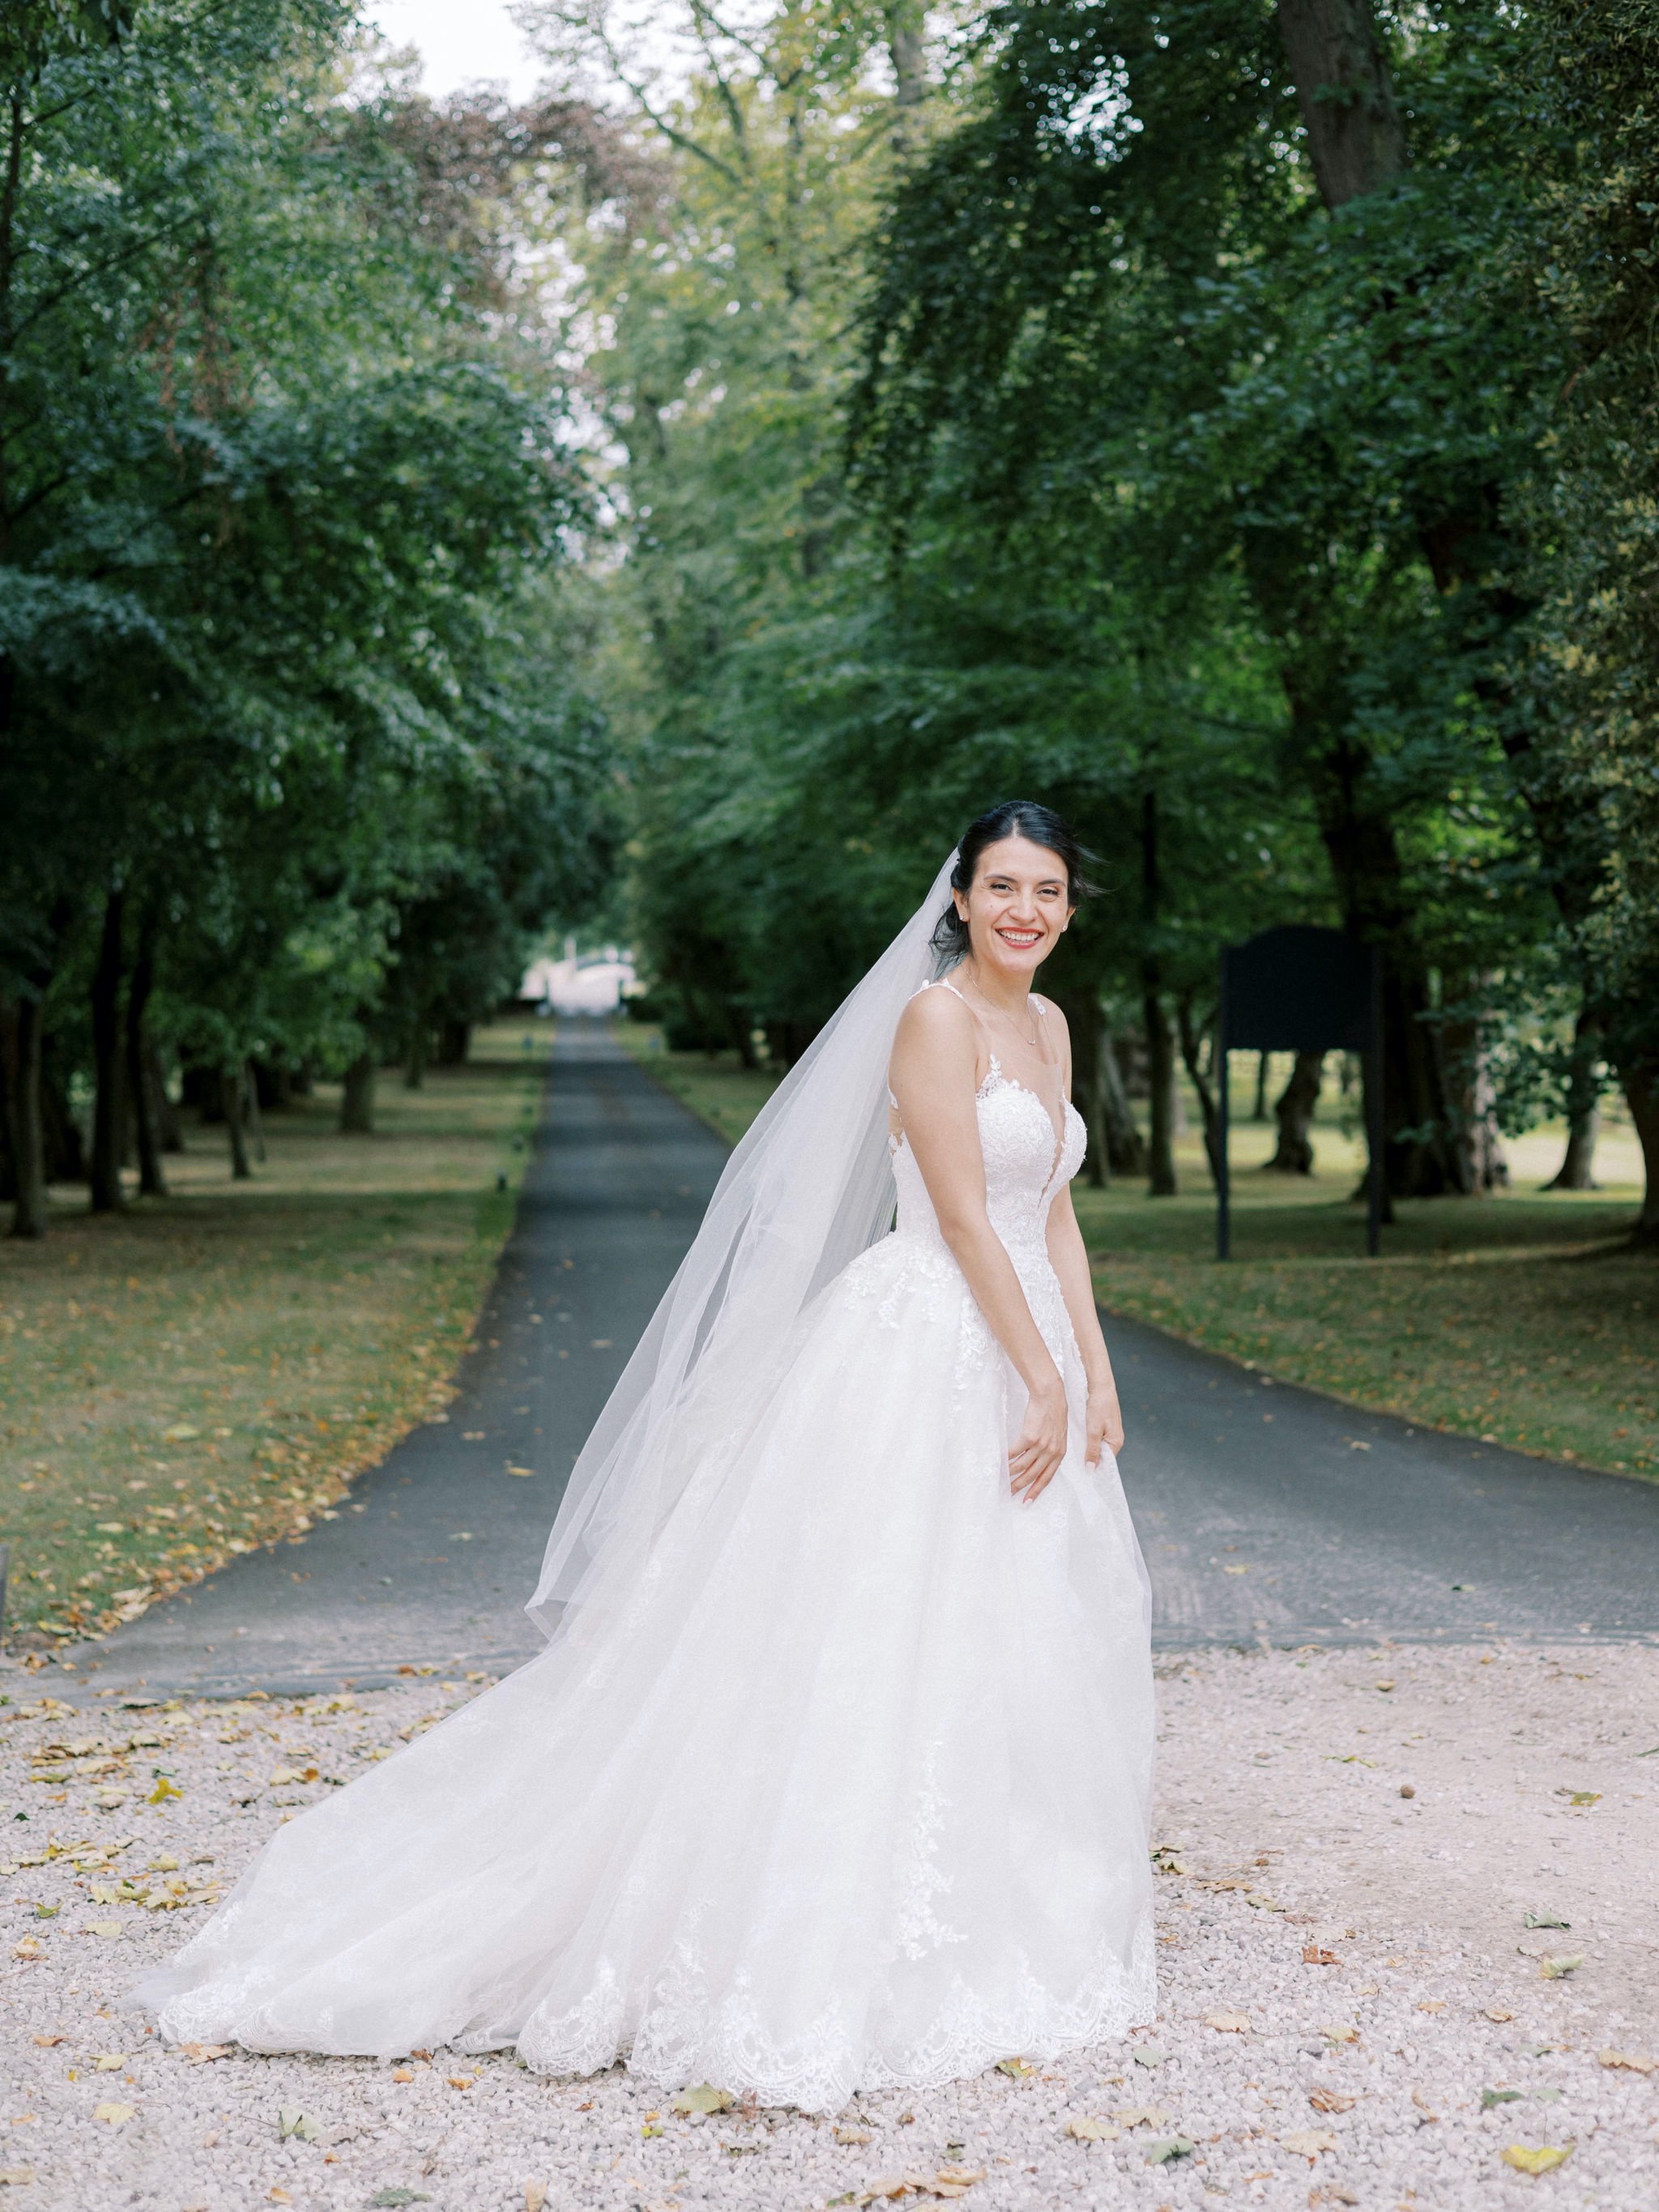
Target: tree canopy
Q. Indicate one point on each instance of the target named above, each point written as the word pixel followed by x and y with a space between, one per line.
pixel 698 491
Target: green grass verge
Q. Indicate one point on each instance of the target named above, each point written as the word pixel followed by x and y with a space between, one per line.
pixel 203 1373
pixel 1516 1317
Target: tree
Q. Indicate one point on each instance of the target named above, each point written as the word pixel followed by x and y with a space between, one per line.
pixel 1174 277
pixel 284 481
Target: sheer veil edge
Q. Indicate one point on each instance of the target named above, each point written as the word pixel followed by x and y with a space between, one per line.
pixel 808 1189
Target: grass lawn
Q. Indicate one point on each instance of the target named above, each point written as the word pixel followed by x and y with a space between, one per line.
pixel 203 1373
pixel 1513 1317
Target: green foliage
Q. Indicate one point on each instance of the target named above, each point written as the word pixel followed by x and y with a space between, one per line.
pixel 1213 489
pixel 285 487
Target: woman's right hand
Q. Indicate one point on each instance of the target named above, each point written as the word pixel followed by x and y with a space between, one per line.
pixel 1040 1446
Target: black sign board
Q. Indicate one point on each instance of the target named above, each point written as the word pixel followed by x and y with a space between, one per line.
pixel 1301 989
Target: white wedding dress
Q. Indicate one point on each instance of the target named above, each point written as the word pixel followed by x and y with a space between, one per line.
pixel 848 1789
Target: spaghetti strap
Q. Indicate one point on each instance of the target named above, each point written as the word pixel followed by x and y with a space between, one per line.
pixel 946 984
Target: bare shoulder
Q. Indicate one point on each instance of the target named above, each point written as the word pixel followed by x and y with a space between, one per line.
pixel 935 1026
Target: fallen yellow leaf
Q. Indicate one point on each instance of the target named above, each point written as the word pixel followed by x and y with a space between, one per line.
pixel 844 2135
pixel 203 2054
pixel 535 2196
pixel 1558 1969
pixel 1629 2058
pixel 109 2062
pixel 1091 2130
pixel 403 2073
pixel 1140 2116
pixel 1499 2013
pixel 1308 2142
pixel 116 2115
pixel 1330 2101
pixel 702 2098
pixel 162 1791
pixel 1544 2159
pixel 1227 2023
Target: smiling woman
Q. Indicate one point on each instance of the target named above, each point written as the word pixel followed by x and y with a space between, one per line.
pixel 853 1513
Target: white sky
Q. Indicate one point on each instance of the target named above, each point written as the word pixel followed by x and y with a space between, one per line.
pixel 461 42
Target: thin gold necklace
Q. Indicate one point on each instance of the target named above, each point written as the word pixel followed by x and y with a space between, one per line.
pixel 978 994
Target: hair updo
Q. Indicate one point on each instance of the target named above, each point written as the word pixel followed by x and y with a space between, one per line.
pixel 1012 818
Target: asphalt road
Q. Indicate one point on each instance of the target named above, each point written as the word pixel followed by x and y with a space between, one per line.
pixel 432 1560
pixel 1266 1511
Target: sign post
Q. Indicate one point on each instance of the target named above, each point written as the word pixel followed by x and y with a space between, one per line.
pixel 1301 989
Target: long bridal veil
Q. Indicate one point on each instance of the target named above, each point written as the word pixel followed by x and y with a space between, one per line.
pixel 808 1189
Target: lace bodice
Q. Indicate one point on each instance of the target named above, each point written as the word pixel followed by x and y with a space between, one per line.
pixel 1025 1164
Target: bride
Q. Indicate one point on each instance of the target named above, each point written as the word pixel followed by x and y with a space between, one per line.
pixel 834 1773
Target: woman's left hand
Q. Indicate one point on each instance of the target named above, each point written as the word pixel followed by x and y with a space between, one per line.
pixel 1103 1423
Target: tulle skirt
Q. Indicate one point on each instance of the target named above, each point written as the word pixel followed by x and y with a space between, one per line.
pixel 850 1791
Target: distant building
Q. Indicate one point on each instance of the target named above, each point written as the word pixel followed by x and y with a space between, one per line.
pixel 580 984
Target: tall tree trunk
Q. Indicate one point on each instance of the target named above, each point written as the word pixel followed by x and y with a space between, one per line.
pixel 454 1043
pixel 1355 139
pixel 1577 1171
pixel 1124 1147
pixel 28 1147
pixel 1294 1112
pixel 8 1085
pixel 1258 1110
pixel 1160 1052
pixel 358 1098
pixel 1357 146
pixel 141 1081
pixel 414 1055
pixel 256 1120
pixel 1641 1088
pixel 169 1130
pixel 106 1175
pixel 1419 1157
pixel 1209 1104
pixel 904 53
pixel 1470 1092
pixel 233 1093
pixel 1160 1068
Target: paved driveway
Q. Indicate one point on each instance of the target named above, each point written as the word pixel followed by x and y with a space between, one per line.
pixel 1266 1511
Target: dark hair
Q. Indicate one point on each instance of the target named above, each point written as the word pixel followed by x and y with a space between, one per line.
pixel 1010 817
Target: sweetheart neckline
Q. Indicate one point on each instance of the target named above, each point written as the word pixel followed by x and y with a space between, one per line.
pixel 996 1075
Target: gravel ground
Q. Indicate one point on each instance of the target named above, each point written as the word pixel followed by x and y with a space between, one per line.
pixel 1354 2011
